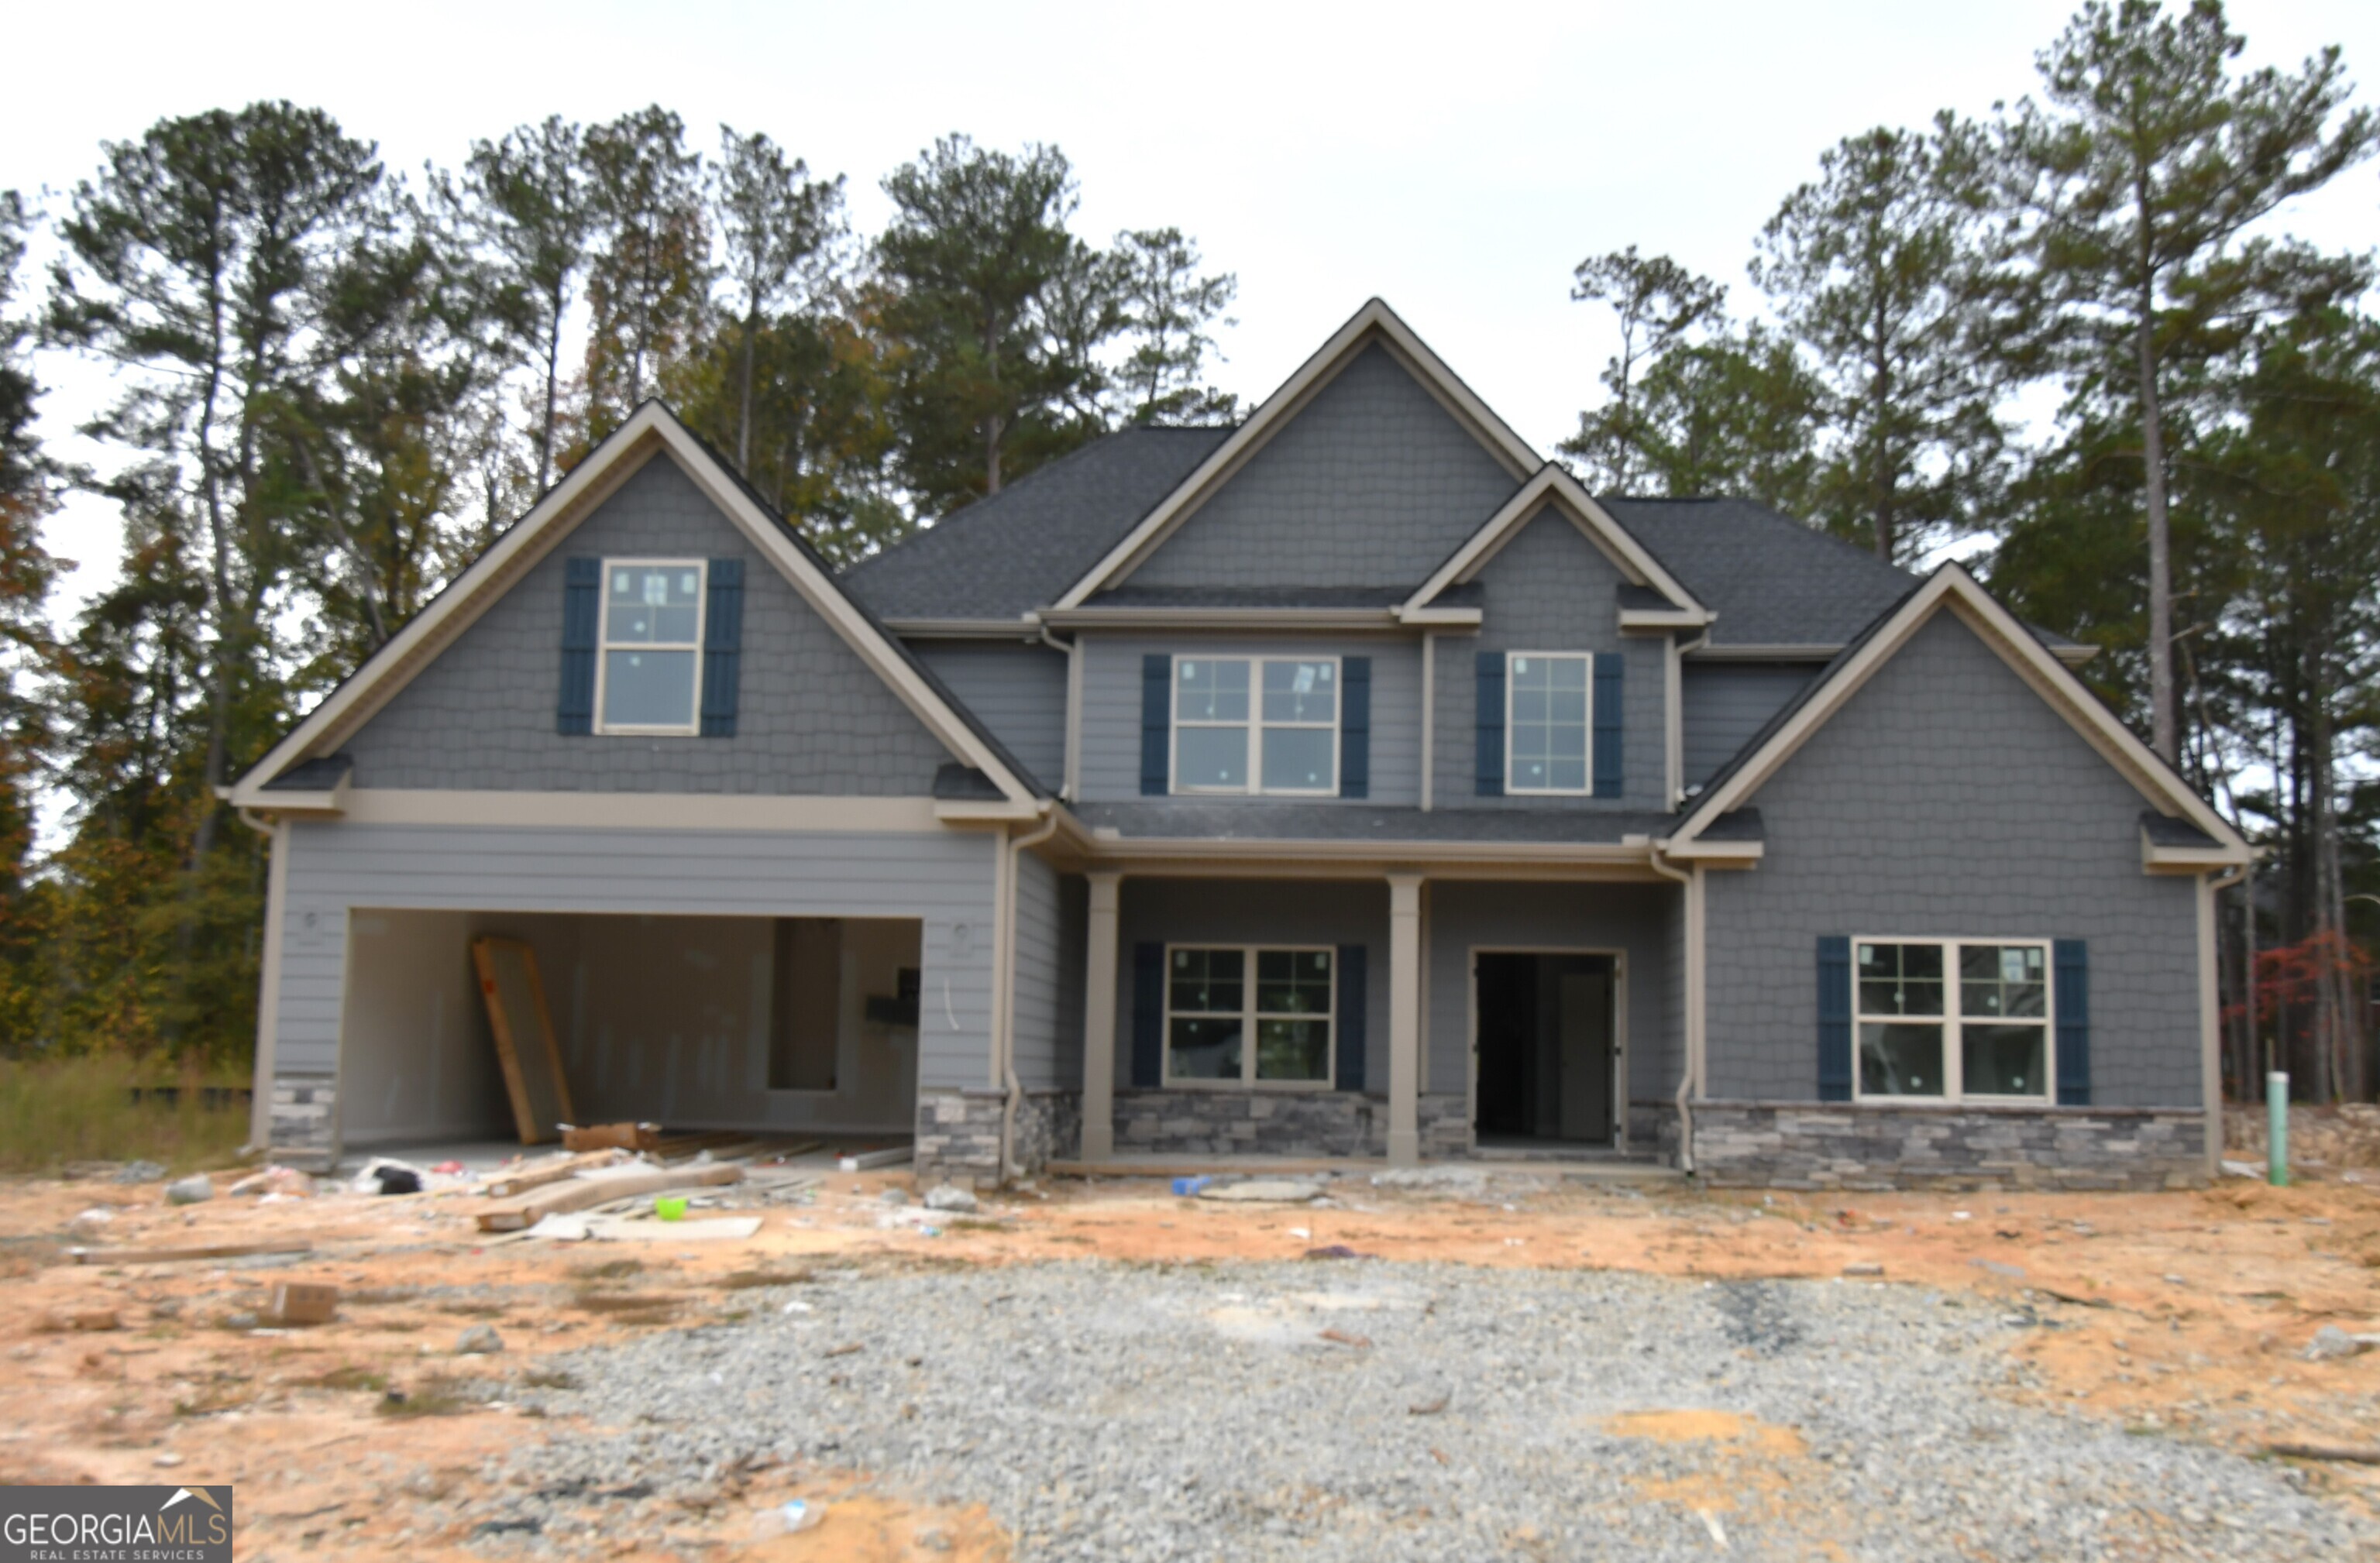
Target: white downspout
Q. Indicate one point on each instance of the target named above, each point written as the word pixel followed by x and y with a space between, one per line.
pixel 1006 1042
pixel 1689 1075
pixel 1073 734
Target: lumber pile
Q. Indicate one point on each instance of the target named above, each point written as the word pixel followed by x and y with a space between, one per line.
pixel 587 1190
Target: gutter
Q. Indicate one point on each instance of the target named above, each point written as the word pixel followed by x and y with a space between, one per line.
pixel 1006 1042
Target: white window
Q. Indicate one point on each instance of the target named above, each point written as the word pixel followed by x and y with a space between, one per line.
pixel 648 675
pixel 1954 1020
pixel 1546 706
pixel 1212 1008
pixel 1256 724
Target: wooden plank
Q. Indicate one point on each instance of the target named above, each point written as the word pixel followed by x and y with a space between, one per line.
pixel 612 1136
pixel 867 1160
pixel 514 1183
pixel 2324 1451
pixel 580 1192
pixel 523 1032
pixel 169 1255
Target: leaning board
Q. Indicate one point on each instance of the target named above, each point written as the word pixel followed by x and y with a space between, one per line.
pixel 523 1030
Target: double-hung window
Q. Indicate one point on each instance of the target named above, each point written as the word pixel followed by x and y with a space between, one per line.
pixel 1953 1018
pixel 1256 724
pixel 1248 1016
pixel 1547 702
pixel 649 670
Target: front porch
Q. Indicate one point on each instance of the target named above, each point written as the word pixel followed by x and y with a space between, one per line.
pixel 1205 1045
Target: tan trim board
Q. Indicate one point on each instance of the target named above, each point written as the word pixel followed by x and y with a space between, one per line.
pixel 964 629
pixel 627 811
pixel 1768 652
pixel 1952 587
pixel 1554 485
pixel 1373 322
pixel 1652 620
pixel 268 989
pixel 1231 618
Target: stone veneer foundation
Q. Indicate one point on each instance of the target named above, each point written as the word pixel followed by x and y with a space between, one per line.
pixel 303 1121
pixel 1280 1123
pixel 958 1133
pixel 1836 1146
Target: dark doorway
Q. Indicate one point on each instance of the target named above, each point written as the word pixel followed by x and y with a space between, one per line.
pixel 1545 1040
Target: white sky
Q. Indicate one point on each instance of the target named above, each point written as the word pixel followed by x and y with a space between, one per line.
pixel 1457 161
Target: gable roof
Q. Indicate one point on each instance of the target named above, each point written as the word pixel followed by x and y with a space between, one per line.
pixel 1003 556
pixel 651 431
pixel 1949 588
pixel 1375 322
pixel 1551 486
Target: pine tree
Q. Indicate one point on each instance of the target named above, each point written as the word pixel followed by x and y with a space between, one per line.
pixel 649 283
pixel 1659 305
pixel 1168 310
pixel 779 228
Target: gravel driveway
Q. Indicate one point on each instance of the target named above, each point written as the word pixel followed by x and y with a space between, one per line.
pixel 1113 1413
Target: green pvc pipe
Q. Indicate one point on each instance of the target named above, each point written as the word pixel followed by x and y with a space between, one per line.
pixel 2276 1128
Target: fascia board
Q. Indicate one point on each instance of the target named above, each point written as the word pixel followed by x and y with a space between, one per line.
pixel 1798 651
pixel 2155 859
pixel 1123 849
pixel 1998 629
pixel 1375 319
pixel 964 629
pixel 362 695
pixel 1663 618
pixel 1718 854
pixel 1616 542
pixel 1228 618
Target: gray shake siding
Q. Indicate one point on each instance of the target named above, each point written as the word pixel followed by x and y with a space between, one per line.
pixel 1254 912
pixel 1112 675
pixel 1373 483
pixel 813 718
pixel 1634 919
pixel 1018 688
pixel 1947 799
pixel 1723 704
pixel 942 878
pixel 1550 590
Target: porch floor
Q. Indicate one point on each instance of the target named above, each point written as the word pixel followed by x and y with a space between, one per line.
pixel 1606 1167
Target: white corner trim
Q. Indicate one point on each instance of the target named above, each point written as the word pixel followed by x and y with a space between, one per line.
pixel 1374 321
pixel 1553 483
pixel 649 430
pixel 1953 588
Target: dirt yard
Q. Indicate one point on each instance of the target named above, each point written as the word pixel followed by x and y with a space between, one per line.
pixel 2184 1317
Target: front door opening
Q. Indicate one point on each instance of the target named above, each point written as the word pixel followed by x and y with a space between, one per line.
pixel 1545 1048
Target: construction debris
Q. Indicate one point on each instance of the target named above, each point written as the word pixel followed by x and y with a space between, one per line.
pixel 302 1303
pixel 588 1190
pixel 190 1189
pixel 172 1255
pixel 950 1196
pixel 612 1136
pixel 867 1161
pixel 1263 1190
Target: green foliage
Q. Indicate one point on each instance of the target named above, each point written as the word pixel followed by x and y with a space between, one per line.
pixel 60 1110
pixel 1170 309
pixel 1659 305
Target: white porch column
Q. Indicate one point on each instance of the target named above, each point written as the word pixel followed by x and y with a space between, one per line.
pixel 1099 1020
pixel 1404 1020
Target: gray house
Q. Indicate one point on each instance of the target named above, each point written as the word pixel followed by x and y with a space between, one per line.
pixel 1349 782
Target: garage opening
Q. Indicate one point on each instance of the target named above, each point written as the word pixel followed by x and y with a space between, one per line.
pixel 765 1023
pixel 1546 1049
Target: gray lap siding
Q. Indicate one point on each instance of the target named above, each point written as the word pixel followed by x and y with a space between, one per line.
pixel 1016 689
pixel 945 879
pixel 1947 799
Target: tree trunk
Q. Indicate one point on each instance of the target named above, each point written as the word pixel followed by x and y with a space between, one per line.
pixel 2164 728
pixel 552 374
pixel 744 420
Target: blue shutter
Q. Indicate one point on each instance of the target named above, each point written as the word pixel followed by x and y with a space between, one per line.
pixel 1351 1017
pixel 1156 725
pixel 2070 969
pixel 1610 670
pixel 1355 727
pixel 582 587
pixel 722 647
pixel 1148 1016
pixel 1491 724
pixel 1834 1018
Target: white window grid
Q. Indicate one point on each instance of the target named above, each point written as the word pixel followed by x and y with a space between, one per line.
pixel 1951 1021
pixel 1256 726
pixel 1511 728
pixel 1250 1017
pixel 603 646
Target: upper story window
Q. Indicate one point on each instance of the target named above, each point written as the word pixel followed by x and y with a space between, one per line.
pixel 1546 721
pixel 649 673
pixel 1953 1020
pixel 1256 724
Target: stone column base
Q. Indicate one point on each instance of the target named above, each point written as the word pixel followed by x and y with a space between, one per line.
pixel 304 1121
pixel 958 1133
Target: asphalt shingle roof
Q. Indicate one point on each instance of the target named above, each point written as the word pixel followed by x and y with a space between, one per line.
pixel 1771 580
pixel 1248 820
pixel 1021 549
